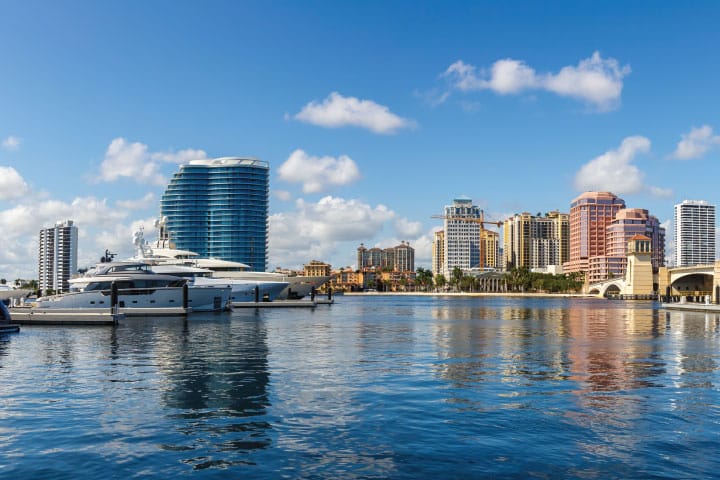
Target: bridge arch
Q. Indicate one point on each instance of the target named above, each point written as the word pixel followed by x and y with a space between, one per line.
pixel 692 282
pixel 603 289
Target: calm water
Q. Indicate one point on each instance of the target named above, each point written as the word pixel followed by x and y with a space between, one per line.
pixel 384 387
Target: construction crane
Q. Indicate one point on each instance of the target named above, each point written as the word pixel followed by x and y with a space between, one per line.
pixel 480 221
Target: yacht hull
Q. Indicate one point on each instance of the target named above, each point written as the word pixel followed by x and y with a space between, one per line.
pixel 298 286
pixel 200 299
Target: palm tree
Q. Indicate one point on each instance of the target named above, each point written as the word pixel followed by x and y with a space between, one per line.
pixel 440 281
pixel 456 276
pixel 424 278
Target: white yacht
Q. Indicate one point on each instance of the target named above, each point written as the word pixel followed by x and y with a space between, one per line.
pixel 241 290
pixel 138 287
pixel 163 251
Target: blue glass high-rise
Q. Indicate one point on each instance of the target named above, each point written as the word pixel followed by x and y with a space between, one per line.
pixel 219 209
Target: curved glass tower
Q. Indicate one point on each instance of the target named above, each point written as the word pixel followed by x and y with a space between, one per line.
pixel 219 208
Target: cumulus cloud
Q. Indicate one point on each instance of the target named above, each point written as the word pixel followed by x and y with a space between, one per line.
pixel 317 173
pixel 595 80
pixel 407 229
pixel 661 192
pixel 696 143
pixel 118 239
pixel 613 170
pixel 283 195
pixel 140 204
pixel 29 217
pixel 90 214
pixel 338 111
pixel 136 162
pixel 12 185
pixel 11 143
pixel 315 230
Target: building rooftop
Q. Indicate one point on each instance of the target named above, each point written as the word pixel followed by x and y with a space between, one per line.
pixel 230 161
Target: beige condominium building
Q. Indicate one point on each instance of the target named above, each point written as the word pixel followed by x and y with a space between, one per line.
pixel 536 241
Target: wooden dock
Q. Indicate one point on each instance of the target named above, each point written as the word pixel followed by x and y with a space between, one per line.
pixel 692 307
pixel 156 312
pixel 276 304
pixel 36 316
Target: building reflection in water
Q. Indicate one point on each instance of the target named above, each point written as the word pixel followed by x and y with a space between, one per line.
pixel 592 363
pixel 694 334
pixel 216 387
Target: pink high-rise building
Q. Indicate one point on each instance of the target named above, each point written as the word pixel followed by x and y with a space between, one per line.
pixel 627 223
pixel 590 215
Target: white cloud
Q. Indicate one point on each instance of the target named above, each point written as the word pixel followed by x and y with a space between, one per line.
pixel 613 170
pixel 283 195
pixel 432 97
pixel 317 173
pixel 11 143
pixel 140 204
pixel 316 230
pixel 594 80
pixel 696 143
pixel 338 111
pixel 179 157
pixel 12 185
pixel 661 192
pixel 407 229
pixel 136 162
pixel 90 214
pixel 118 239
pixel 30 217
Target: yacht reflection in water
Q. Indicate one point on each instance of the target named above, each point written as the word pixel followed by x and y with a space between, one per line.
pixel 218 381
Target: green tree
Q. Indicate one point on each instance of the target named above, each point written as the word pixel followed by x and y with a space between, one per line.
pixel 455 277
pixel 440 281
pixel 423 278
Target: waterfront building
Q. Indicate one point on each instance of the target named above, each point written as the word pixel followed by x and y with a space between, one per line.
pixel 349 280
pixel 590 215
pixel 491 249
pixel 57 256
pixel 536 242
pixel 316 268
pixel 630 222
pixel 369 257
pixel 438 252
pixel 462 237
pixel 400 258
pixel 361 256
pixel 404 257
pixel 694 233
pixel 219 209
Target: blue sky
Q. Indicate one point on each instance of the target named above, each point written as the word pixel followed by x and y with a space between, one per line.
pixel 372 115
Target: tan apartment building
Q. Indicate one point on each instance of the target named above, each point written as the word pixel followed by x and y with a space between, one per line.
pixel 536 241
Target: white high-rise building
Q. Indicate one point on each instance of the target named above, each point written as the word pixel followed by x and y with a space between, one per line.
pixel 57 256
pixel 462 238
pixel 694 233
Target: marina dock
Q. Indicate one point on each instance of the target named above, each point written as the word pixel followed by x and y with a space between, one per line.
pixel 277 304
pixel 692 307
pixel 33 316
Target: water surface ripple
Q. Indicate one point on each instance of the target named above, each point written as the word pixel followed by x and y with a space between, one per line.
pixel 379 387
